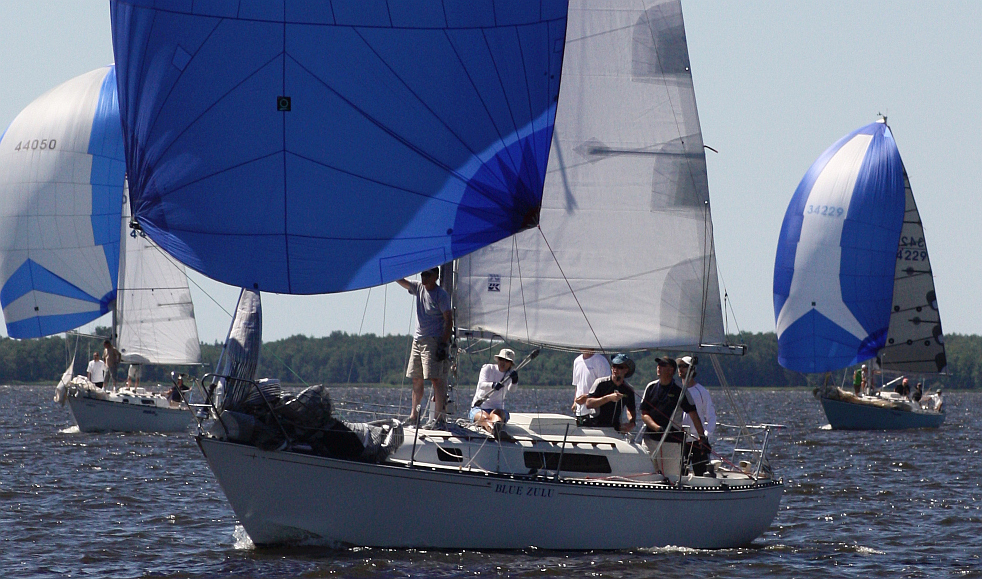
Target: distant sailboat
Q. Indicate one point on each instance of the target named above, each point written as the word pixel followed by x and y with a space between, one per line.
pixel 358 144
pixel 62 175
pixel 853 280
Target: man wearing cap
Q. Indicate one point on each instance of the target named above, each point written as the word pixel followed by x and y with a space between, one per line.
pixel 431 342
pixel 588 367
pixel 611 396
pixel 488 407
pixel 661 398
pixel 704 408
pixel 700 397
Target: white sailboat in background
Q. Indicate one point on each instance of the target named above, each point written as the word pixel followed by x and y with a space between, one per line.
pixel 62 174
pixel 872 296
pixel 154 325
pixel 429 179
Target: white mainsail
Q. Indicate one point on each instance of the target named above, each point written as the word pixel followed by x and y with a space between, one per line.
pixel 623 257
pixel 155 317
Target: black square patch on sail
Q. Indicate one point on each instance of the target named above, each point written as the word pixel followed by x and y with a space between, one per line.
pixel 283 104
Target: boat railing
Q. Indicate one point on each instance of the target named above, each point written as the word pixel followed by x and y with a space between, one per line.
pixel 210 408
pixel 749 447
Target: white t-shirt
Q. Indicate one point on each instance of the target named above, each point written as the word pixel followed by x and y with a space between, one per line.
pixel 585 373
pixel 704 406
pixel 495 398
pixel 97 371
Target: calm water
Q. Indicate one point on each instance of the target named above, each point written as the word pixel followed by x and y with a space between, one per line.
pixel 867 504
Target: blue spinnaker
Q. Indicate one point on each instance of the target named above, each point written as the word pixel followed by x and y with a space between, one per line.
pixel 314 147
pixel 836 257
pixel 61 179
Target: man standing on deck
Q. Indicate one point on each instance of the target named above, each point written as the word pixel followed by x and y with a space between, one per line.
pixel 429 359
pixel 112 357
pixel 699 454
pixel 612 396
pixel 587 369
pixel 658 405
pixel 96 370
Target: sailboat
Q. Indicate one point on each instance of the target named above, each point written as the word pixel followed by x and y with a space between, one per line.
pixel 853 282
pixel 61 264
pixel 372 168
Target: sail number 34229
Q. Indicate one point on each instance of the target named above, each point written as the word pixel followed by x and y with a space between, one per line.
pixel 825 210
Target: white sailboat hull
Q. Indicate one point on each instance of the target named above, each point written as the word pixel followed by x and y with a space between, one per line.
pixel 95 415
pixel 283 497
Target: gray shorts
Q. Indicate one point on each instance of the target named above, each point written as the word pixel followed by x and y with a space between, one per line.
pixel 423 363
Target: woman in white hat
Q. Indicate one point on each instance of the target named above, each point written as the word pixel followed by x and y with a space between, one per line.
pixel 488 407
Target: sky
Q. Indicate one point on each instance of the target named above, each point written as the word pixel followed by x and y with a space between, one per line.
pixel 776 83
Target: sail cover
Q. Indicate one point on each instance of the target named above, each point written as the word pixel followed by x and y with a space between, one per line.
pixel 915 342
pixel 836 256
pixel 155 316
pixel 61 178
pixel 313 147
pixel 623 257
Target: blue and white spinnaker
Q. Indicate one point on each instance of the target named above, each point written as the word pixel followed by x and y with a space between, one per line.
pixel 837 254
pixel 62 173
pixel 314 147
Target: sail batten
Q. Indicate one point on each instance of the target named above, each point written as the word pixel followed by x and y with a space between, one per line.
pixel 622 257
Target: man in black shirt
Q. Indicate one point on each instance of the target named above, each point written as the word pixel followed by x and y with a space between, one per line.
pixel 610 395
pixel 658 404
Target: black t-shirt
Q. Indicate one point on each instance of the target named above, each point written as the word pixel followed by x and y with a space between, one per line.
pixel 659 401
pixel 610 413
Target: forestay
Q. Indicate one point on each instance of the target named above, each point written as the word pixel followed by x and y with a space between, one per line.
pixel 61 178
pixel 837 254
pixel 310 147
pixel 623 257
pixel 155 316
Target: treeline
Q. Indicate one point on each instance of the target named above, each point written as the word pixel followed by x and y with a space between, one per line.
pixel 369 359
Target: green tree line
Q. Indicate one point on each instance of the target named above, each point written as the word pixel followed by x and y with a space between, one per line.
pixel 369 359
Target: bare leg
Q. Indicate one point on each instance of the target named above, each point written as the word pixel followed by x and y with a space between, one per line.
pixel 482 420
pixel 439 398
pixel 417 398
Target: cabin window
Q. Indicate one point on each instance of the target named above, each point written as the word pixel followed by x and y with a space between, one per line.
pixel 572 462
pixel 450 454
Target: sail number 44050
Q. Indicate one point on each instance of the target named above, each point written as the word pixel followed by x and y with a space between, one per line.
pixel 825 210
pixel 36 145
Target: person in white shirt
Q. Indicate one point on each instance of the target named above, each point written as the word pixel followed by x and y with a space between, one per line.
pixel 704 408
pixel 96 370
pixel 488 407
pixel 588 367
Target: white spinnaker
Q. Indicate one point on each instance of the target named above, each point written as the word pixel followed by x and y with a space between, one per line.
pixel 625 217
pixel 47 216
pixel 155 317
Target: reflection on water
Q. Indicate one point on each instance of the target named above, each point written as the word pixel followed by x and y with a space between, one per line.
pixel 872 504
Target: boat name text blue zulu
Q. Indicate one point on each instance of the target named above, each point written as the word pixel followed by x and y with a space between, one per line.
pixel 523 490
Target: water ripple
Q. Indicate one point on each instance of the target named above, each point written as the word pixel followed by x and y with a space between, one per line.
pixel 868 504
